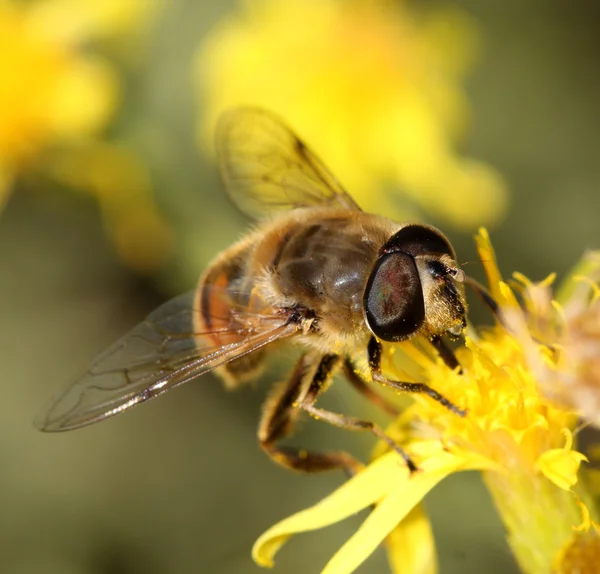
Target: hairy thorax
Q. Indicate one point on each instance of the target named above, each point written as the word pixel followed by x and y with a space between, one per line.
pixel 321 260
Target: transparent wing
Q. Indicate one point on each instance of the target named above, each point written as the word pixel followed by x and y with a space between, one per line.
pixel 159 354
pixel 266 167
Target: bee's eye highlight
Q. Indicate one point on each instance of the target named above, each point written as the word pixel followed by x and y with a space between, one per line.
pixel 393 299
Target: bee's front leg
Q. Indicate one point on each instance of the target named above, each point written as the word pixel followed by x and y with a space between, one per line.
pixel 374 350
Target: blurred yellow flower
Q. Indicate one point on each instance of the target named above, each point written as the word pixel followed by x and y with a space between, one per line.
pixel 118 179
pixel 374 88
pixel 57 95
pixel 521 442
pixel 75 21
pixel 50 93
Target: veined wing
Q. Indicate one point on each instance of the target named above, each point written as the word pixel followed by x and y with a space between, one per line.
pixel 159 354
pixel 266 167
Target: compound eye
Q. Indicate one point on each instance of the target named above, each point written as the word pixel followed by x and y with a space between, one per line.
pixel 419 240
pixel 393 299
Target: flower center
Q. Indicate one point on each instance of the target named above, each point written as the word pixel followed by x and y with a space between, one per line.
pixel 581 555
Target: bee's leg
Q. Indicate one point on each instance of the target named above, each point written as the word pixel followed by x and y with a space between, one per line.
pixel 350 423
pixel 374 350
pixel 281 411
pixel 445 353
pixel 364 389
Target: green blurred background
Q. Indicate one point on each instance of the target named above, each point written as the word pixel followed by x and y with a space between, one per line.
pixel 180 485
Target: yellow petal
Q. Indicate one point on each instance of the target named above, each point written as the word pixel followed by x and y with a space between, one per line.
pixel 76 22
pixel 117 177
pixel 572 287
pixel 387 483
pixel 85 99
pixel 364 489
pixel 561 465
pixel 488 259
pixel 394 508
pixel 411 546
pixel 452 37
pixel 586 520
pixel 141 234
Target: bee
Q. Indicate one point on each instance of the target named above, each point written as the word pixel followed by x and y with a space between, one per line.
pixel 318 272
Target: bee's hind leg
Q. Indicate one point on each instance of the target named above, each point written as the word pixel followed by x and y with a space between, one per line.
pixel 281 411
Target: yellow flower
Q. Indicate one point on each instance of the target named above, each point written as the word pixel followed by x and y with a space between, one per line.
pixel 116 176
pixel 78 22
pixel 372 87
pixel 568 370
pixel 56 97
pixel 521 442
pixel 50 93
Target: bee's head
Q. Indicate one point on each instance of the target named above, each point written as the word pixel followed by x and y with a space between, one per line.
pixel 415 285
